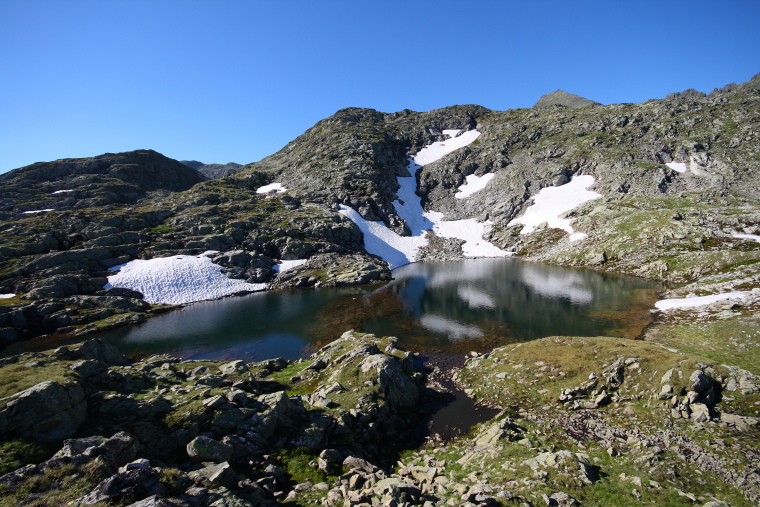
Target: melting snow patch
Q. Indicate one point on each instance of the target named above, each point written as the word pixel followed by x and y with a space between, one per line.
pixel 677 166
pixel 62 191
pixel 753 237
pixel 38 211
pixel 286 265
pixel 379 240
pixel 178 280
pixel 551 202
pixel 469 230
pixel 272 187
pixel 400 250
pixel 439 149
pixel 577 236
pixel 7 296
pixel 670 304
pixel 473 184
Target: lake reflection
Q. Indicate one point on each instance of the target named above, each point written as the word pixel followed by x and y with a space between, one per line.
pixel 472 304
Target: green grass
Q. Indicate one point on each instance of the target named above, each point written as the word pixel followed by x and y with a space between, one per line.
pixel 18 376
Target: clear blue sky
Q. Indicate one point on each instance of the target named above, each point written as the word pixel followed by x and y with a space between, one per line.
pixel 224 80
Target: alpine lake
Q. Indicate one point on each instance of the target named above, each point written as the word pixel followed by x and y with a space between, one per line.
pixel 442 312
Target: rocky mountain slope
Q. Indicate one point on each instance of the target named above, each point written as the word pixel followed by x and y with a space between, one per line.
pixel 212 171
pixel 670 191
pixel 678 179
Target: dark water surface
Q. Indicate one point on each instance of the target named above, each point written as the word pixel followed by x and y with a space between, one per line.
pixel 447 307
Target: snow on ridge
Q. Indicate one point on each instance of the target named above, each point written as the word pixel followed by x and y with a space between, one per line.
pixel 178 280
pixel 272 187
pixel 689 302
pixel 677 166
pixel 473 184
pixel 551 202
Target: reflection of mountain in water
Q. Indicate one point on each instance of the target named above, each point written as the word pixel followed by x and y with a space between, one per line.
pixel 467 305
pixel 516 300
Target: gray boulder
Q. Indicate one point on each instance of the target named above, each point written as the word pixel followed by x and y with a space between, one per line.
pixel 202 449
pixel 47 412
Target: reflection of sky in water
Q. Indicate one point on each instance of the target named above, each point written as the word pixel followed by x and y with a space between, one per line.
pixel 475 298
pixel 559 284
pixel 451 328
pixel 491 300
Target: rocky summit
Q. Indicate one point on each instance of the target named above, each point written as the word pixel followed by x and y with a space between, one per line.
pixel 666 190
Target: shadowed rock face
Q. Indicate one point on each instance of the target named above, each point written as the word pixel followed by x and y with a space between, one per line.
pixel 562 98
pixel 146 169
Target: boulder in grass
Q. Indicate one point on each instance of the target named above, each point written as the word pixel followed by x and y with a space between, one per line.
pixel 202 449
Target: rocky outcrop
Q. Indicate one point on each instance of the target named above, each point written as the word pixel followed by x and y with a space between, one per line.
pixel 48 412
pixel 562 98
pixel 212 171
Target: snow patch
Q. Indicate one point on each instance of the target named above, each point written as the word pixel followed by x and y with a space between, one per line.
pixel 473 184
pixel 62 191
pixel 469 230
pixel 753 237
pixel 670 304
pixel 577 236
pixel 178 280
pixel 39 211
pixel 7 296
pixel 272 187
pixel 551 202
pixel 286 265
pixel 677 166
pixel 379 240
pixel 439 149
pixel 401 250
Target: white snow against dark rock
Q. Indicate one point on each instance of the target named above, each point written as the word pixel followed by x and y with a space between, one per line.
pixel 178 280
pixel 551 202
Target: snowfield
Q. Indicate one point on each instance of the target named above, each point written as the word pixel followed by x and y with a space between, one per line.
pixel 400 250
pixel 473 184
pixel 7 296
pixel 753 237
pixel 272 187
pixel 671 304
pixel 286 265
pixel 677 166
pixel 178 280
pixel 551 202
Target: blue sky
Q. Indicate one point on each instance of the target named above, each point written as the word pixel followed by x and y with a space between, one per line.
pixel 224 80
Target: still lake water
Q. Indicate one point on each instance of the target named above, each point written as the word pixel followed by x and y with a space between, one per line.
pixel 446 308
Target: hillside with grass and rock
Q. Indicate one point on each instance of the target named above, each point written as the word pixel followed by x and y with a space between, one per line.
pixel 667 190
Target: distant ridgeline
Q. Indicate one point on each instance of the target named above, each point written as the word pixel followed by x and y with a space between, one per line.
pixel 666 189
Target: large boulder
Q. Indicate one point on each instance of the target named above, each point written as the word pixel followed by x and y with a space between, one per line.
pixel 48 412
